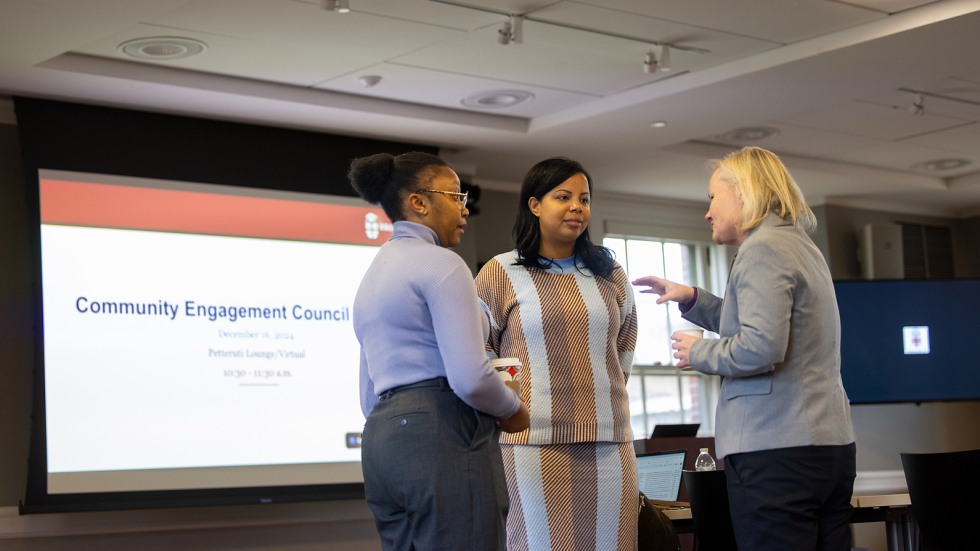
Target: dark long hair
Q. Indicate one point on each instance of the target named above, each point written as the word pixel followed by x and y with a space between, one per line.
pixel 542 178
pixel 385 179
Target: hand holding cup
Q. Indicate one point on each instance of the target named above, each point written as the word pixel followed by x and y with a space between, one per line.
pixel 683 340
pixel 508 369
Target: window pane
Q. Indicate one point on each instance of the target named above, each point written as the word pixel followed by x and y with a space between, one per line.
pixel 618 248
pixel 661 395
pixel 679 268
pixel 638 418
pixel 662 400
pixel 678 262
pixel 692 398
pixel 647 258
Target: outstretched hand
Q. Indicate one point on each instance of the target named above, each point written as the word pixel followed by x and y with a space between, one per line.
pixel 668 290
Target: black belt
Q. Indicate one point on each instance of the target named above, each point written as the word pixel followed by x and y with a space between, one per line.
pixel 438 382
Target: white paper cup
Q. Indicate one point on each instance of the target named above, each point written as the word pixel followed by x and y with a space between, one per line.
pixel 699 333
pixel 695 332
pixel 508 369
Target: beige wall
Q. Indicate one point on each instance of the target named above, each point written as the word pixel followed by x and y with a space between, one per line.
pixel 966 247
pixel 844 226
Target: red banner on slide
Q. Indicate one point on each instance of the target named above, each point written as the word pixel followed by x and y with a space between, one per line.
pixel 141 208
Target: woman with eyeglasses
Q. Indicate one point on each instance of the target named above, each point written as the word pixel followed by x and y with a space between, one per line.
pixel 565 307
pixel 434 406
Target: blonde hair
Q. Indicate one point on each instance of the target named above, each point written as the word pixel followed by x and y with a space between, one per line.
pixel 764 185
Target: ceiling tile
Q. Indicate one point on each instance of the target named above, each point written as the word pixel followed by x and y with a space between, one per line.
pixel 900 156
pixel 430 87
pixel 811 142
pixel 873 120
pixel 771 20
pixel 887 6
pixel 961 140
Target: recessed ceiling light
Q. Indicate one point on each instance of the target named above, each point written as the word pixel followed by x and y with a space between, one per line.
pixel 658 124
pixel 498 99
pixel 162 47
pixel 940 164
pixel 369 81
pixel 748 134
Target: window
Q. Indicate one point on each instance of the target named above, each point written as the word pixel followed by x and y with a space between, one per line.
pixel 660 393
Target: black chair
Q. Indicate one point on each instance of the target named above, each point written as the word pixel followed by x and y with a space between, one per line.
pixel 707 491
pixel 943 488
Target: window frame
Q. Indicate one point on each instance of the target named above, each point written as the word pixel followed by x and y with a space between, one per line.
pixel 709 264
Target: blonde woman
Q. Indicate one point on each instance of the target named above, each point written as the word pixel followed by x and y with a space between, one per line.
pixel 783 421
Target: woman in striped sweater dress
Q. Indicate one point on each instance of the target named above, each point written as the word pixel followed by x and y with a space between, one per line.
pixel 564 307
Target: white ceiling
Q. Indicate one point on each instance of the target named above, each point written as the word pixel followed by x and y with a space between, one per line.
pixel 836 79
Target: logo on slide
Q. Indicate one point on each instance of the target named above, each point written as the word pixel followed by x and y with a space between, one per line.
pixel 916 339
pixel 372 228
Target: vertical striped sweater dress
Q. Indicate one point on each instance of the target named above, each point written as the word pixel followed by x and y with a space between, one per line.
pixel 572 475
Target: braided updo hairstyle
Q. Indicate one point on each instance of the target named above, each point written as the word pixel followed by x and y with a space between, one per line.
pixel 386 179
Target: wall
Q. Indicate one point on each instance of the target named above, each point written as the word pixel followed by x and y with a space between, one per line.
pixel 966 247
pixel 498 212
pixel 16 320
pixel 328 526
pixel 844 226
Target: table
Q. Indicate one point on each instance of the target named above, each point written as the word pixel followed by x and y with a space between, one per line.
pixel 895 510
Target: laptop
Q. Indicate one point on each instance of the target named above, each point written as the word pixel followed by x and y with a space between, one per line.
pixel 659 474
pixel 683 429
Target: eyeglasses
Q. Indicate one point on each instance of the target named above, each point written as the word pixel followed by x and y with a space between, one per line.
pixel 460 198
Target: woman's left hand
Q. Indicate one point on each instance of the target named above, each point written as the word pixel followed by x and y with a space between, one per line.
pixel 517 422
pixel 682 348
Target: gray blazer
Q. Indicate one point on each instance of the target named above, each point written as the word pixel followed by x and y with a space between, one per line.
pixel 779 348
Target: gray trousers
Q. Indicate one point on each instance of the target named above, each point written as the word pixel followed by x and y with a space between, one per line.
pixel 433 473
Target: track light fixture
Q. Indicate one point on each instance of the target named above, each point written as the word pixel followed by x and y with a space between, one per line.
pixel 652 64
pixel 512 30
pixel 339 6
pixel 503 33
pixel 918 106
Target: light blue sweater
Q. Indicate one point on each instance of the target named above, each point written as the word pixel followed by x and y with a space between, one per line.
pixel 417 317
